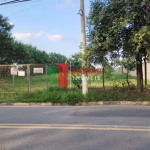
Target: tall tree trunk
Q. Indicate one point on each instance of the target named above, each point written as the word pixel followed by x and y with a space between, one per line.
pixel 139 73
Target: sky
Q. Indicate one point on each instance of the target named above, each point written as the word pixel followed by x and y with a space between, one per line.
pixel 49 25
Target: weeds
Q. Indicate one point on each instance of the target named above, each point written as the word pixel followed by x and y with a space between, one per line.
pixel 74 96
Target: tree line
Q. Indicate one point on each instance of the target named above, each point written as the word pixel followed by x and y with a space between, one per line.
pixel 13 51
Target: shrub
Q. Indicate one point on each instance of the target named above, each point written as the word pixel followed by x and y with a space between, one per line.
pixel 72 98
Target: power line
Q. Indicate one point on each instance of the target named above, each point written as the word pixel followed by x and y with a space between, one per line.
pixel 14 1
pixel 25 9
pixel 17 4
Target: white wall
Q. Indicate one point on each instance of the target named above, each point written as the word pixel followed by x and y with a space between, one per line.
pixel 148 71
pixel 133 73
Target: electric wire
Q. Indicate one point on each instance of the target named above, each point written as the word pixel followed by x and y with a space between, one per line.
pixel 14 1
pixel 26 9
pixel 18 4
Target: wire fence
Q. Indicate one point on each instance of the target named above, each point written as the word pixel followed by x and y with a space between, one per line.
pixel 33 77
pixel 25 77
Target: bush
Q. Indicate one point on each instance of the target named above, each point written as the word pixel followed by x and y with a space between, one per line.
pixel 91 97
pixel 72 98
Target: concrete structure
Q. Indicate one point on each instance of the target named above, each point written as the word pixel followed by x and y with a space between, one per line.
pixel 133 73
pixel 148 71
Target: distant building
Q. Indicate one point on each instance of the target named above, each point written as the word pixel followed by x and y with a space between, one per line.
pixel 133 73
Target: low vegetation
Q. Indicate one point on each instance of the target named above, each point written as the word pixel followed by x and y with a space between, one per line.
pixel 72 97
pixel 116 89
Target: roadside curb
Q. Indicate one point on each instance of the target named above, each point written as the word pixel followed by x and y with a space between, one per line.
pixel 125 103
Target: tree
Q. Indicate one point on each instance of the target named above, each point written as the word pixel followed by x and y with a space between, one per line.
pixel 57 58
pixel 34 56
pixel 12 51
pixel 18 53
pixel 75 62
pixel 5 40
pixel 113 27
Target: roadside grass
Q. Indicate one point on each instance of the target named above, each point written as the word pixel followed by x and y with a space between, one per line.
pixel 74 96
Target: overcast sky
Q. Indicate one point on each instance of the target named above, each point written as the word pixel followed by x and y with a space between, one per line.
pixel 50 25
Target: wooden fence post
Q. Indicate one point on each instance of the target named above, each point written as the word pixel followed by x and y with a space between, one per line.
pixel 28 78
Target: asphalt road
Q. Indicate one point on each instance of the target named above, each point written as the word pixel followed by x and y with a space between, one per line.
pixel 75 128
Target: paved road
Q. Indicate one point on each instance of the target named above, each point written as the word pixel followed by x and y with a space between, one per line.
pixel 75 128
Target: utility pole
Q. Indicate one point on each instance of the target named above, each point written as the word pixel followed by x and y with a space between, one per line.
pixel 83 42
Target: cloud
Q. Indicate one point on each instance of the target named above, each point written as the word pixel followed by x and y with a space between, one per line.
pixel 59 37
pixel 10 23
pixel 25 36
pixel 66 3
pixel 22 36
pixel 38 34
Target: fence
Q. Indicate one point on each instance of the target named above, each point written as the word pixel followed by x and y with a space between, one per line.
pixel 146 73
pixel 22 78
pixel 32 77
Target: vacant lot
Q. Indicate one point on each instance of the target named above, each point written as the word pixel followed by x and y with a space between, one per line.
pixel 44 88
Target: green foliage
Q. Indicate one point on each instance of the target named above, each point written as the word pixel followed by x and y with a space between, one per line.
pixel 12 51
pixel 5 40
pixel 74 59
pixel 76 79
pixel 91 97
pixel 73 97
pixel 108 71
pixel 34 55
pixel 111 29
pixel 53 95
pixel 142 38
pixel 57 58
pixel 124 84
pixel 118 28
pixel 127 63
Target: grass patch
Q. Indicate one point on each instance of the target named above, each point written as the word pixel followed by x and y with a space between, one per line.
pixel 72 97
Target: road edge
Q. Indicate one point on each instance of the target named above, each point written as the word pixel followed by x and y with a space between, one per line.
pixel 127 103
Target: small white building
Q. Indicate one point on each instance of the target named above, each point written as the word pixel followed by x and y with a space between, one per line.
pixel 133 73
